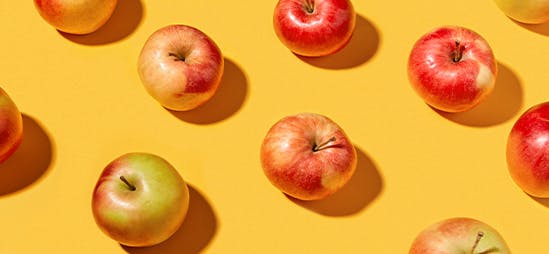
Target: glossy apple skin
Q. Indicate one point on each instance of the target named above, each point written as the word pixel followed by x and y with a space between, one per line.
pixel 458 236
pixel 148 215
pixel 289 162
pixel 528 151
pixel 178 84
pixel 525 11
pixel 323 30
pixel 11 126
pixel 446 84
pixel 76 16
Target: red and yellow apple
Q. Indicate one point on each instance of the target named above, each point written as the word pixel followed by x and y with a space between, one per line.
pixel 11 126
pixel 308 156
pixel 525 11
pixel 140 200
pixel 181 67
pixel 314 27
pixel 76 16
pixel 452 68
pixel 459 236
pixel 528 151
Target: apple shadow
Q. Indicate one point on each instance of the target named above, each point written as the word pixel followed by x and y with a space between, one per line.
pixel 541 201
pixel 542 29
pixel 194 235
pixel 362 47
pixel 502 105
pixel 31 160
pixel 227 100
pixel 364 187
pixel 124 21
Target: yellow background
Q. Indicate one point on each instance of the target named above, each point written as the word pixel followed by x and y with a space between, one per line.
pixel 83 105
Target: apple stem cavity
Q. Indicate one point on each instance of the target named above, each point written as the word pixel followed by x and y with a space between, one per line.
pixel 309 6
pixel 457 54
pixel 317 148
pixel 130 186
pixel 480 234
pixel 177 57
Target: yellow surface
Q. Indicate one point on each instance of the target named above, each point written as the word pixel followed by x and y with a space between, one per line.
pixel 83 105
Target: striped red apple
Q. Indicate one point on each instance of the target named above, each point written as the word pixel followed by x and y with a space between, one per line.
pixel 452 68
pixel 308 156
pixel 11 126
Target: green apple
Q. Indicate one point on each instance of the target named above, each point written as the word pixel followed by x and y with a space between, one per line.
pixel 140 200
pixel 11 126
pixel 526 11
pixel 459 236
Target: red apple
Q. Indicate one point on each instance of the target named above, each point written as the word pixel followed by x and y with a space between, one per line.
pixel 308 156
pixel 180 67
pixel 314 27
pixel 11 126
pixel 459 235
pixel 76 17
pixel 452 68
pixel 528 151
pixel 140 200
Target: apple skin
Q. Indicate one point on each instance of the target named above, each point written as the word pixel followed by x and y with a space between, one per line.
pixel 150 213
pixel 180 67
pixel 525 11
pixel 76 16
pixel 457 236
pixel 314 27
pixel 528 151
pixel 11 126
pixel 292 165
pixel 452 68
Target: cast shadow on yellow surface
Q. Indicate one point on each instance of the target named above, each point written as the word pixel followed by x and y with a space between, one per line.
pixel 363 188
pixel 30 162
pixel 198 229
pixel 542 201
pixel 361 48
pixel 228 99
pixel 542 29
pixel 124 21
pixel 502 105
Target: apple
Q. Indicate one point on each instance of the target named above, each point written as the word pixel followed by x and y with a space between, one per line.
pixel 140 200
pixel 180 67
pixel 76 17
pixel 525 11
pixel 307 156
pixel 459 235
pixel 452 68
pixel 314 27
pixel 528 151
pixel 11 126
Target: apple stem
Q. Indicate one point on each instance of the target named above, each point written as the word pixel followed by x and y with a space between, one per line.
pixel 480 234
pixel 458 53
pixel 310 6
pixel 317 148
pixel 177 57
pixel 131 186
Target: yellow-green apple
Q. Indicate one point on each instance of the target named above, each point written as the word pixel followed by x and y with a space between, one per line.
pixel 459 236
pixel 314 27
pixel 525 11
pixel 181 67
pixel 11 126
pixel 76 16
pixel 528 151
pixel 140 200
pixel 452 68
pixel 307 156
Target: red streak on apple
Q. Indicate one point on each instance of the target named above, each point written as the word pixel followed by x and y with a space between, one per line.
pixel 50 8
